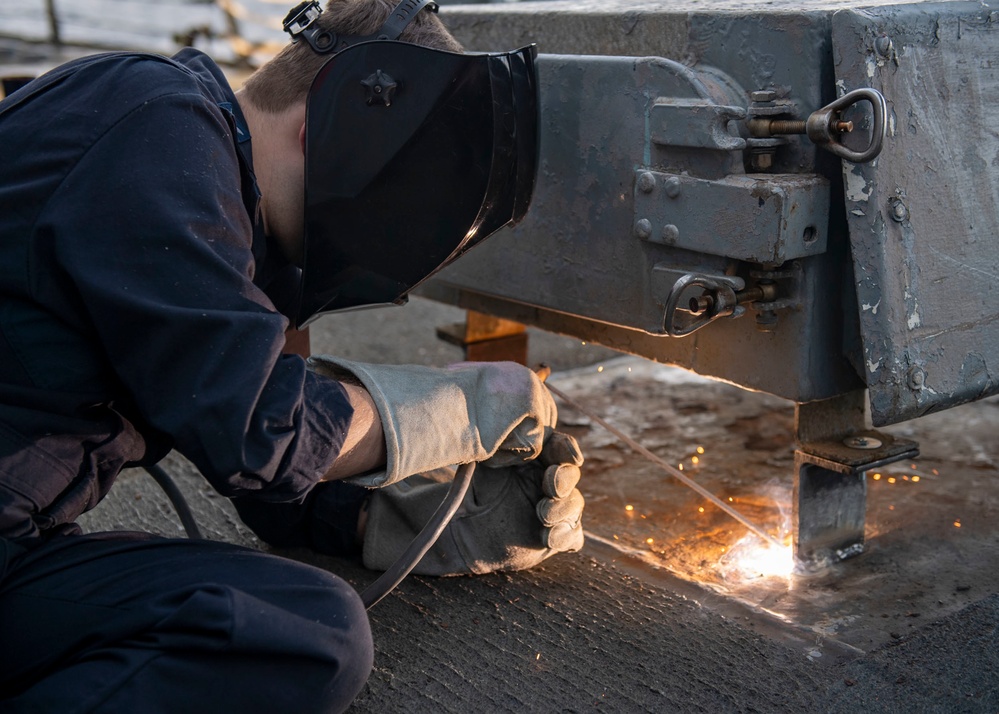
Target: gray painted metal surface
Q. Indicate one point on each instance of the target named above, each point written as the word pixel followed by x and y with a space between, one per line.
pixel 582 262
pixel 648 173
pixel 630 197
pixel 924 218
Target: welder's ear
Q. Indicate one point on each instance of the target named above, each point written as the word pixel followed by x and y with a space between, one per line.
pixel 301 138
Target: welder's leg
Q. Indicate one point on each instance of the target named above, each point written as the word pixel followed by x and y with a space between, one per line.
pixel 128 623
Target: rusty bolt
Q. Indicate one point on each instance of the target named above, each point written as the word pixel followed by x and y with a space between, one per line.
pixel 780 127
pixel 643 228
pixel 862 442
pixel 670 234
pixel 646 182
pixel 763 95
pixel 672 187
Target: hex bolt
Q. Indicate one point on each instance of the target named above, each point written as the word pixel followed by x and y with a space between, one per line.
pixel 643 228
pixel 898 210
pixel 884 46
pixel 862 442
pixel 646 182
pixel 763 95
pixel 672 187
pixel 671 234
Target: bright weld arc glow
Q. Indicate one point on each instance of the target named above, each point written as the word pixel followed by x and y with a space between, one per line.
pixel 749 558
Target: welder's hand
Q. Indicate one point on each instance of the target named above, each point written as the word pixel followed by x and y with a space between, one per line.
pixel 512 518
pixel 498 413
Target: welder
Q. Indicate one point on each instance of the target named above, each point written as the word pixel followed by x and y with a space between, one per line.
pixel 159 234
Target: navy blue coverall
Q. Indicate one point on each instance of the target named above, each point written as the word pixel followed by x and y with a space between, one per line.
pixel 136 316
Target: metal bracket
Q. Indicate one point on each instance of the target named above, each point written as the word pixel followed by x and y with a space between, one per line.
pixel 835 451
pixel 830 493
pixel 695 125
pixel 766 220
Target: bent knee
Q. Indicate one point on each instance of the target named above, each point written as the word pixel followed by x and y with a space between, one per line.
pixel 330 642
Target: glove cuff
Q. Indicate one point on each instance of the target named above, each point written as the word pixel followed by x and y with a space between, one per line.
pixel 424 416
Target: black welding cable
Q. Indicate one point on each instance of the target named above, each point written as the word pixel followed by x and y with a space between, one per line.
pixel 176 498
pixel 387 581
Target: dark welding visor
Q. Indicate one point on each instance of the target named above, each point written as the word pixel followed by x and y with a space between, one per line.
pixel 412 156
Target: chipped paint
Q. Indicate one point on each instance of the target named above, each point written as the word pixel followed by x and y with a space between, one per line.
pixel 872 308
pixel 857 187
pixel 872 366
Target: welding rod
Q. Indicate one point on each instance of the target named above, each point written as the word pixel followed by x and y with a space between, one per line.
pixel 669 469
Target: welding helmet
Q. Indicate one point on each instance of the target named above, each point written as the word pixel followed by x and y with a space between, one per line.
pixel 412 156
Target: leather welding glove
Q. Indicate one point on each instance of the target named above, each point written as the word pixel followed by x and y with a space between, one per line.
pixel 498 413
pixel 512 517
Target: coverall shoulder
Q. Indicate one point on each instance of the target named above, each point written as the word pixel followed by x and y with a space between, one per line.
pixel 134 308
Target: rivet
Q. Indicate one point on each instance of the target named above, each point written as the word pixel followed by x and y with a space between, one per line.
pixel 670 233
pixel 916 378
pixel 883 46
pixel 862 442
pixel 898 210
pixel 643 228
pixel 672 187
pixel 766 320
pixel 646 181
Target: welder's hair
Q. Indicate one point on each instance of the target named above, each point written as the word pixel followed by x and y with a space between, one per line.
pixel 285 80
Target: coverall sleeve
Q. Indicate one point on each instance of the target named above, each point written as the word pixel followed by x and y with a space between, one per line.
pixel 151 231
